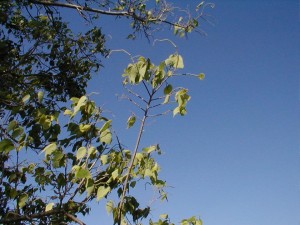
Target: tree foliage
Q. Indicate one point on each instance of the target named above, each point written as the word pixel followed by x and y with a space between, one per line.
pixel 56 157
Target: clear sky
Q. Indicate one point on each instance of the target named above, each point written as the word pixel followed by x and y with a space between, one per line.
pixel 234 159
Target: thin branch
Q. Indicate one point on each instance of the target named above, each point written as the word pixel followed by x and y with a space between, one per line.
pixel 75 219
pixel 135 94
pixel 136 104
pixel 146 88
pixel 160 114
pixel 129 13
pixel 17 218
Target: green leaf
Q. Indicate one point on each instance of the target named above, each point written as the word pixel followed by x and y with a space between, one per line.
pixel 150 149
pixel 164 216
pixel 89 187
pixel 26 98
pixel 49 206
pixel 92 151
pixel 40 96
pixel 110 206
pixel 6 145
pixel 81 152
pixel 106 136
pixel 22 200
pixel 167 99
pixel 182 99
pixel 131 121
pixel 148 173
pixel 12 125
pixel 50 149
pixel 81 102
pixel 175 61
pixel 68 112
pixel 58 157
pixel 201 76
pixel 115 174
pixel 102 192
pixel 84 127
pixel 104 159
pixel 168 89
pixel 106 125
pixel 82 173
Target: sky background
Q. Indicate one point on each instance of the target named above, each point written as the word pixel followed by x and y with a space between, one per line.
pixel 234 159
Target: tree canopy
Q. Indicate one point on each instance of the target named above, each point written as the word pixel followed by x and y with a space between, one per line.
pixel 56 157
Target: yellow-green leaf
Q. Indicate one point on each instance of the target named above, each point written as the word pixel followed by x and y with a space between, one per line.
pixel 81 152
pixel 102 192
pixel 131 121
pixel 50 149
pixel 49 207
pixel 40 96
pixel 26 98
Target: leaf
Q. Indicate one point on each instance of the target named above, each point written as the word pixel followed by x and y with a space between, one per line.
pixel 58 157
pixel 182 99
pixel 82 173
pixel 175 61
pixel 168 89
pixel 81 152
pixel 40 96
pixel 49 206
pixel 102 192
pixel 26 98
pixel 6 145
pixel 84 127
pixel 68 112
pixel 150 149
pixel 104 159
pixel 115 174
pixel 89 187
pixel 106 125
pixel 110 206
pixel 164 216
pixel 12 125
pixel 82 101
pixel 131 121
pixel 167 99
pixel 106 136
pixel 148 173
pixel 22 200
pixel 201 76
pixel 92 151
pixel 50 148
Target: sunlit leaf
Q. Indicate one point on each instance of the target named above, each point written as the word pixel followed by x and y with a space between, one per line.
pixel 40 96
pixel 26 98
pixel 49 206
pixel 102 192
pixel 106 136
pixel 22 200
pixel 81 152
pixel 50 148
pixel 110 206
pixel 131 121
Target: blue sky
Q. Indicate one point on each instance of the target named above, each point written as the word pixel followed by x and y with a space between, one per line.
pixel 234 159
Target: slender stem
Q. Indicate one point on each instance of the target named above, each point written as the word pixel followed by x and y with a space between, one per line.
pixel 141 131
